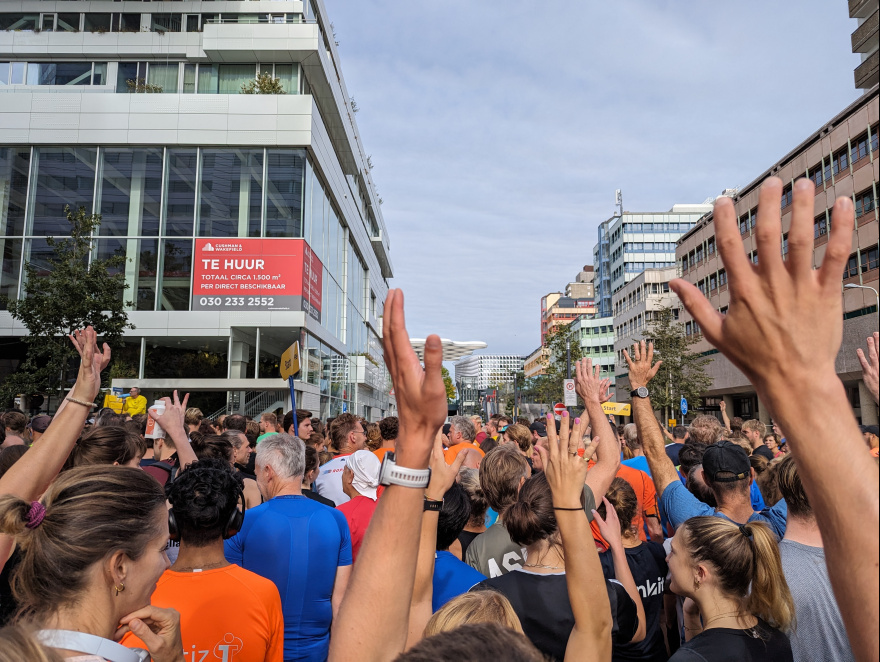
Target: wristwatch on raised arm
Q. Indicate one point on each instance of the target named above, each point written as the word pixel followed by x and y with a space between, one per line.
pixel 640 392
pixel 391 474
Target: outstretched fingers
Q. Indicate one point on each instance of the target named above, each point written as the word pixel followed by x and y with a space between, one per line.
pixel 730 245
pixel 709 319
pixel 839 244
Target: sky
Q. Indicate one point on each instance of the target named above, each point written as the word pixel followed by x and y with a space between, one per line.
pixel 499 131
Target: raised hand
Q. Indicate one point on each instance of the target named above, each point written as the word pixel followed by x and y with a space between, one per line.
pixel 871 366
pixel 785 319
pixel 564 467
pixel 420 394
pixel 92 362
pixel 588 381
pixel 442 475
pixel 605 393
pixel 641 365
pixel 171 420
pixel 610 526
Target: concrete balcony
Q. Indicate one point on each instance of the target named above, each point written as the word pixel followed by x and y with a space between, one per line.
pixel 867 74
pixel 246 42
pixel 382 251
pixel 865 37
pixel 175 45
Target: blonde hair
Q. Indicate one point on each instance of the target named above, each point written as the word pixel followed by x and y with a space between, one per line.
pixel 746 561
pixel 474 607
pixel 17 643
pixel 756 425
pixel 521 436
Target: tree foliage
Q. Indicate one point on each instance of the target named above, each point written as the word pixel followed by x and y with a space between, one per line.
pixel 682 372
pixel 547 389
pixel 264 83
pixel 68 292
pixel 447 382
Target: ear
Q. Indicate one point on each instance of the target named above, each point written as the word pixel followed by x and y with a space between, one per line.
pixel 118 567
pixel 522 481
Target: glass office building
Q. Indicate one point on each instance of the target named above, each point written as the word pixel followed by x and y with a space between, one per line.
pixel 143 116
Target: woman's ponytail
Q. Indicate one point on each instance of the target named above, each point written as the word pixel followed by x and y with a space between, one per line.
pixel 769 597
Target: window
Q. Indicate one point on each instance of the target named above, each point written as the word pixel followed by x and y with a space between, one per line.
pixel 176 267
pixel 180 196
pixel 713 282
pixel 131 191
pixel 839 161
pixel 820 226
pixel 722 278
pixel 231 193
pixel 68 22
pixel 165 22
pixel 96 22
pixel 826 171
pixel 785 244
pixel 19 22
pixel 687 328
pixel 743 223
pixel 870 258
pixel 859 148
pixel 684 263
pixel 14 173
pixel 874 130
pixel 864 202
pixel 753 217
pixel 192 23
pixel 852 267
pixel 815 175
pixel 125 23
pixel 710 246
pixel 787 196
pixel 755 257
pixel 699 253
pixel 65 176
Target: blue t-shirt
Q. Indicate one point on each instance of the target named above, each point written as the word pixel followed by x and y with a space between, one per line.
pixel 639 462
pixel 757 500
pixel 298 544
pixel 451 578
pixel 679 505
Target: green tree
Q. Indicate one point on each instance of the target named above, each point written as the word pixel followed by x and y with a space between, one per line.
pixel 265 83
pixel 447 382
pixel 682 372
pixel 67 293
pixel 561 341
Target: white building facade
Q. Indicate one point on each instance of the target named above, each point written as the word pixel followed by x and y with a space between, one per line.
pixel 629 243
pixel 596 336
pixel 635 307
pixel 249 221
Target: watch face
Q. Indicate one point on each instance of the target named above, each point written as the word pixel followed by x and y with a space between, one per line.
pixel 642 392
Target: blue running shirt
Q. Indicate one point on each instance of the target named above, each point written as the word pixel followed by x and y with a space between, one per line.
pixel 298 544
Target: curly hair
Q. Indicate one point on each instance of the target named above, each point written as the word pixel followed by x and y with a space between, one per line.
pixel 202 499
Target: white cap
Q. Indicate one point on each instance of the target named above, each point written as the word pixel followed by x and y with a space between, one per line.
pixel 365 469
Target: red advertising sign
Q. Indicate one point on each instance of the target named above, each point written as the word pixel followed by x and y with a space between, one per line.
pixel 256 274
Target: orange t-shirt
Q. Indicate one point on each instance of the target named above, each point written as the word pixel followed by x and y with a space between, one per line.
pixel 646 494
pixel 452 452
pixel 225 614
pixel 380 452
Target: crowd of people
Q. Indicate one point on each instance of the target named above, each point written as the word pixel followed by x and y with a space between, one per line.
pixel 424 537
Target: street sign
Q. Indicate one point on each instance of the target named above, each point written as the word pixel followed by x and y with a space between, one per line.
pixel 344 407
pixel 290 361
pixel 558 408
pixel 683 405
pixel 617 408
pixel 672 422
pixel 571 398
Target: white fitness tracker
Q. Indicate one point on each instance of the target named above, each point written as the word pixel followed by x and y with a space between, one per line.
pixel 391 474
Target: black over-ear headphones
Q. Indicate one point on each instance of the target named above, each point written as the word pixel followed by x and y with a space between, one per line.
pixel 233 524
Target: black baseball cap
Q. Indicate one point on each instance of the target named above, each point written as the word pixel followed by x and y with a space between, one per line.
pixel 870 429
pixel 446 428
pixel 725 457
pixel 40 423
pixel 538 427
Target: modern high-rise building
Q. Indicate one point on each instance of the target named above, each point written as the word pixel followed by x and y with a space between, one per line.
pixel 842 159
pixel 477 374
pixel 246 211
pixel 596 337
pixel 559 310
pixel 628 243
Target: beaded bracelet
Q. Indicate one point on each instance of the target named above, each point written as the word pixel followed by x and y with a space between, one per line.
pixel 80 402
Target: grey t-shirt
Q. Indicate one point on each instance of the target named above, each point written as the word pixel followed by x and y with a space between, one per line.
pixel 493 553
pixel 820 634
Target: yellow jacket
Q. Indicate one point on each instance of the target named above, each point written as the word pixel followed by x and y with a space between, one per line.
pixel 135 406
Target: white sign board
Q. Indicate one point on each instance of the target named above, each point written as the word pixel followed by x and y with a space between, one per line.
pixel 571 398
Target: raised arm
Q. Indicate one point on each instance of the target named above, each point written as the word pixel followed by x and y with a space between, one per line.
pixel 783 330
pixel 724 417
pixel 442 478
pixel 641 370
pixel 610 530
pixel 32 474
pixel 591 388
pixel 382 580
pixel 171 421
pixel 590 639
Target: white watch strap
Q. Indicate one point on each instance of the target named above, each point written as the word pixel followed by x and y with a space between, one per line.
pixel 392 474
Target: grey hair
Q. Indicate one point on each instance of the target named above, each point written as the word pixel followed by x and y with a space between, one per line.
pixel 234 437
pixel 285 453
pixel 465 426
pixel 631 436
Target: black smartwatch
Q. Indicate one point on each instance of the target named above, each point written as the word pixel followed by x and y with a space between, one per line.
pixel 640 392
pixel 433 505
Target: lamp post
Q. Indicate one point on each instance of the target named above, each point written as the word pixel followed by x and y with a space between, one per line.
pixel 853 286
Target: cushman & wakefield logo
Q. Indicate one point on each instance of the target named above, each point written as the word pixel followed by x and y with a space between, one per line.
pixel 222 248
